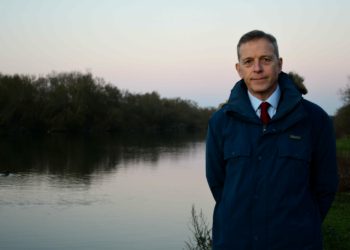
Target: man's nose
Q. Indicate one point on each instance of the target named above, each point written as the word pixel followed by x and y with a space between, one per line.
pixel 257 66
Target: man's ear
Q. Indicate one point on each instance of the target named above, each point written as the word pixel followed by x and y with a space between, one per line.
pixel 238 68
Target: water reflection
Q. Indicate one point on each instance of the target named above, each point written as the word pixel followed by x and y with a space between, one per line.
pixel 112 192
pixel 79 158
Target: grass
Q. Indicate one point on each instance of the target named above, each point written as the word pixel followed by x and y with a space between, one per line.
pixel 336 227
pixel 343 144
pixel 201 232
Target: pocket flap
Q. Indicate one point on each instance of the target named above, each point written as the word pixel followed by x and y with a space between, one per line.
pixel 235 151
pixel 294 149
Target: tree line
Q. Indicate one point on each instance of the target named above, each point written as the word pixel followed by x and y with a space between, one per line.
pixel 342 116
pixel 80 102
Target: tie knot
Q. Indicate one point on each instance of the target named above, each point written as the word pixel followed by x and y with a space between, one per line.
pixel 264 115
pixel 264 105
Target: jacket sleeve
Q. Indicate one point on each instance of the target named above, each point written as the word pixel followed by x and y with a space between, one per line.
pixel 324 173
pixel 215 168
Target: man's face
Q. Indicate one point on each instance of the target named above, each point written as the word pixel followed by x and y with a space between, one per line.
pixel 259 67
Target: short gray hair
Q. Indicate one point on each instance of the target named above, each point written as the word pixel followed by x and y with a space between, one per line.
pixel 255 35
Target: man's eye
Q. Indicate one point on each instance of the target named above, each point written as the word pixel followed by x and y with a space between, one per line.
pixel 247 62
pixel 267 59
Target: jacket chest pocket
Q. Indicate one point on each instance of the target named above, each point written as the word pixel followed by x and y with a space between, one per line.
pixel 294 147
pixel 293 163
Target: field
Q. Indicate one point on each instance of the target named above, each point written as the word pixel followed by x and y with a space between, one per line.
pixel 336 227
pixel 343 144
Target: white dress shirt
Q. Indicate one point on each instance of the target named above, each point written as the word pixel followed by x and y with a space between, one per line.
pixel 272 100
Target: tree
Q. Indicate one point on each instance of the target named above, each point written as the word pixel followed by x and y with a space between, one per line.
pixel 345 93
pixel 79 102
pixel 342 116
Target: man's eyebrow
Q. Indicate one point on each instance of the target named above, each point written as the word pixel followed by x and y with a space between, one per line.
pixel 246 58
pixel 271 55
pixel 250 57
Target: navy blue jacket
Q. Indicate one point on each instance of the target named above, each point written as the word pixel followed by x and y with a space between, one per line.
pixel 272 185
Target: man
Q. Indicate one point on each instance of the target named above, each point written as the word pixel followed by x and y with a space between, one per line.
pixel 270 158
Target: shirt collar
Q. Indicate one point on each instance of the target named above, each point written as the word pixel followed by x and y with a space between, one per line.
pixel 273 99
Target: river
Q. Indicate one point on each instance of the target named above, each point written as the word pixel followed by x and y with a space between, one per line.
pixel 101 192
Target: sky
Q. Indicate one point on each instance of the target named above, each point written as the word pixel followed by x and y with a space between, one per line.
pixel 179 48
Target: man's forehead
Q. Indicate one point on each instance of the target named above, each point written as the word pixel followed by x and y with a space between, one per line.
pixel 261 43
pixel 259 47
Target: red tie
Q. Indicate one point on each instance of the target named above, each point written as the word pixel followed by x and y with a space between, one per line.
pixel 264 115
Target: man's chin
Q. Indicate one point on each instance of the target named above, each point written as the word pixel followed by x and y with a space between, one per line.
pixel 260 89
pixel 262 81
pixel 261 92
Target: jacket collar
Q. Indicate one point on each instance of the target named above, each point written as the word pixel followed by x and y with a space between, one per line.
pixel 273 100
pixel 239 105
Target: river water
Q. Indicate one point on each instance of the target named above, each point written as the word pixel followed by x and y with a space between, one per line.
pixel 110 192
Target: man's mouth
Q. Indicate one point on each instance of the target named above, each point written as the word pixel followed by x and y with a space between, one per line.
pixel 258 79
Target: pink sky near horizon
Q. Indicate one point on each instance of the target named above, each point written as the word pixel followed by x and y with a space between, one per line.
pixel 179 49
